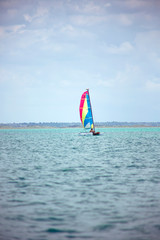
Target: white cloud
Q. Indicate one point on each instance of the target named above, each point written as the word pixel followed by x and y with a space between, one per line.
pixel 148 41
pixel 153 85
pixel 82 20
pixel 28 18
pixel 8 3
pixel 123 48
pixel 147 45
pixel 124 19
pixel 12 29
pixel 16 28
pixel 136 3
pixel 107 5
pixel 2 32
pixel 90 7
pixel 141 4
pixel 79 44
pixel 40 13
pixel 12 12
pixel 128 78
pixel 70 31
pixel 68 28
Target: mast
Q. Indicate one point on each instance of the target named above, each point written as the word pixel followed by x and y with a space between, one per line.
pixel 91 108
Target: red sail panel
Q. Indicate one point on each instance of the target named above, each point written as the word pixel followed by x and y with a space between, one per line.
pixel 83 97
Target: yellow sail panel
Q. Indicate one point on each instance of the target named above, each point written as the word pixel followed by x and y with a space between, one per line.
pixel 85 111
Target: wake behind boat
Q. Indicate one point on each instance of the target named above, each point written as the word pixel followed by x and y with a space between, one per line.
pixel 86 115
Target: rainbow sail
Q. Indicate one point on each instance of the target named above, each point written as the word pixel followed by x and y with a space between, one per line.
pixel 86 111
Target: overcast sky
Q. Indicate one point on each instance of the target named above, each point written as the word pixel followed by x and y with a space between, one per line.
pixel 52 50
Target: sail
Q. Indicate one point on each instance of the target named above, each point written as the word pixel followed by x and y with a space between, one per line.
pixel 86 111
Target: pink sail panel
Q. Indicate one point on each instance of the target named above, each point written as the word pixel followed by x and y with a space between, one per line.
pixel 85 111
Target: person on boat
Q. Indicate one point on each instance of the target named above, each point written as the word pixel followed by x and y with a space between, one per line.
pixel 92 131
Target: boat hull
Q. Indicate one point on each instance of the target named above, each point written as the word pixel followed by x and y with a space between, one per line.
pixel 96 133
pixel 90 134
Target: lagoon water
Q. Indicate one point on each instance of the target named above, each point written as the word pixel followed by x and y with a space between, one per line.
pixel 58 185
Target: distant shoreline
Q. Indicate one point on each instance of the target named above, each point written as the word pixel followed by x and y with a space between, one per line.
pixel 47 127
pixel 54 125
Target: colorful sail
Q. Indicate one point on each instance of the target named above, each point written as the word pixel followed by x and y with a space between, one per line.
pixel 86 111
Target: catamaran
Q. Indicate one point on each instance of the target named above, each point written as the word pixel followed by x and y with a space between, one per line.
pixel 86 115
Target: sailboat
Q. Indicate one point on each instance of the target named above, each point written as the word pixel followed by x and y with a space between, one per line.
pixel 86 115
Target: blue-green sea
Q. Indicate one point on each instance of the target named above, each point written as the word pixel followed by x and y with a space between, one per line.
pixel 56 184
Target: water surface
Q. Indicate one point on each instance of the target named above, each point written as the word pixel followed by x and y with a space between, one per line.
pixel 56 184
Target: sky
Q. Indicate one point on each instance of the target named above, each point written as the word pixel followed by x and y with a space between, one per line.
pixel 52 50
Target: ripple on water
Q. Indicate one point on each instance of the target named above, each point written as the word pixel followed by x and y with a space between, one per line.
pixel 55 184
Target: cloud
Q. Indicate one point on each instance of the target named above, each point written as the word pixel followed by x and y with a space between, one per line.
pixel 147 46
pixel 124 19
pixel 70 31
pixel 153 85
pixel 148 40
pixel 28 18
pixel 12 29
pixel 123 48
pixel 40 13
pixel 136 3
pixel 12 12
pixel 141 4
pixel 2 32
pixel 129 77
pixel 82 20
pixel 112 46
pixel 140 19
pixel 91 8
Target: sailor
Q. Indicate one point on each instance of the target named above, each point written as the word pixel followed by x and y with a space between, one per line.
pixel 92 130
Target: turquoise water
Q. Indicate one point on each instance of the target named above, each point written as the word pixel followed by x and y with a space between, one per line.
pixel 56 184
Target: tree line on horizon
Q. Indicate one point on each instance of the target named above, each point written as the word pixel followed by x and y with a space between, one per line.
pixel 78 124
